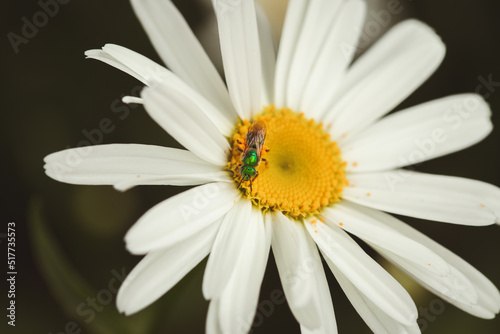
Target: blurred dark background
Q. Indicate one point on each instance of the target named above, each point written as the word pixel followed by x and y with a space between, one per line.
pixel 69 244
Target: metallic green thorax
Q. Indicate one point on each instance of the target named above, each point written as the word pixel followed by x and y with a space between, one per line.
pixel 251 158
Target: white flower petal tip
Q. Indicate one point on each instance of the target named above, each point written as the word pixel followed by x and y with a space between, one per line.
pixel 130 62
pixel 240 47
pixel 384 76
pixel 363 272
pixel 181 216
pixel 160 270
pixel 132 99
pixel 127 165
pixel 420 133
pixel 434 197
pixel 186 121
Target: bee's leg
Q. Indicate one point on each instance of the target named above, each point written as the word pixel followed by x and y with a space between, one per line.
pixel 239 184
pixel 253 178
pixel 267 162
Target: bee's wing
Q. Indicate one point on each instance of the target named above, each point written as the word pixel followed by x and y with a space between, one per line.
pixel 256 136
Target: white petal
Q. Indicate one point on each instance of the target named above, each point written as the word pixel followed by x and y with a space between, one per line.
pixel 239 39
pixel 367 225
pixel 378 321
pixel 321 293
pixel 363 272
pixel 180 50
pixel 132 99
pixel 227 249
pixel 421 133
pixel 108 59
pixel 435 197
pixel 128 165
pixel 186 122
pixel 238 302
pixel 488 302
pixel 181 216
pixel 292 27
pixel 294 259
pixel 152 74
pixel 384 76
pixel 268 56
pixel 318 23
pixel 333 59
pixel 160 270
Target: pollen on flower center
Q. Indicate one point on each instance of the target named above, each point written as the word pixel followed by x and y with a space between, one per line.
pixel 300 171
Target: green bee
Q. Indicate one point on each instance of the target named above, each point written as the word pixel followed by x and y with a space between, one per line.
pixel 252 154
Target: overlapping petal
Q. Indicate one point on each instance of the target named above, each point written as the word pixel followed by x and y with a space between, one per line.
pixel 186 122
pixel 238 302
pixel 363 272
pixel 366 224
pixel 180 217
pixel 471 291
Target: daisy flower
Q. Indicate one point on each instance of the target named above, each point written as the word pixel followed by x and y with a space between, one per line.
pixel 295 153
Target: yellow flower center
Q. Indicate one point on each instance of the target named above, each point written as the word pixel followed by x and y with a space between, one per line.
pixel 300 169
